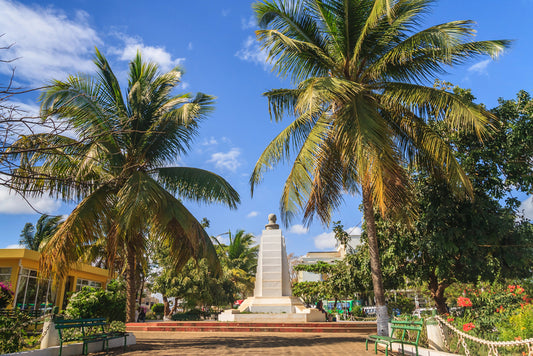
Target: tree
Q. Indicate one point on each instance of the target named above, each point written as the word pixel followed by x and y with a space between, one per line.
pixel 361 106
pixel 118 165
pixel 240 259
pixel 36 237
pixel 466 241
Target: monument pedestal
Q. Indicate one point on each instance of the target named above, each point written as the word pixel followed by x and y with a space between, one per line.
pixel 272 300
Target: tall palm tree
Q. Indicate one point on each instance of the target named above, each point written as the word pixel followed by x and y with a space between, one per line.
pixel 361 105
pixel 118 163
pixel 36 237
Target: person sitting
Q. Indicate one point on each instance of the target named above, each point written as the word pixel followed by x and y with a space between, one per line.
pixel 142 315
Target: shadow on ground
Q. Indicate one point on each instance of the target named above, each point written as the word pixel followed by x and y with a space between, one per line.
pixel 228 344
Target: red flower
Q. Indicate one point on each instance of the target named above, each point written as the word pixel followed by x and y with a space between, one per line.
pixel 464 302
pixel 468 326
pixel 450 319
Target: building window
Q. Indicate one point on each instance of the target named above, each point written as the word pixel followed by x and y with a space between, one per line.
pixel 5 274
pixel 34 293
pixel 80 283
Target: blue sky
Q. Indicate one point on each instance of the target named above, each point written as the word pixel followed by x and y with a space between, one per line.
pixel 214 41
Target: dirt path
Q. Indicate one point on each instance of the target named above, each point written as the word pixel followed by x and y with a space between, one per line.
pixel 216 343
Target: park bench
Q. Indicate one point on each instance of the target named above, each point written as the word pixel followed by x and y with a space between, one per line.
pixel 403 327
pixel 86 331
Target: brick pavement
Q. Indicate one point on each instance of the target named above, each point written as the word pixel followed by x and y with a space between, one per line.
pixel 254 343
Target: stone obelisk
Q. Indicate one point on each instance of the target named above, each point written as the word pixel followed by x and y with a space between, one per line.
pixel 272 300
pixel 272 277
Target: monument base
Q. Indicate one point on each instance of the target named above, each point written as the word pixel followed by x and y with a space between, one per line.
pixel 272 309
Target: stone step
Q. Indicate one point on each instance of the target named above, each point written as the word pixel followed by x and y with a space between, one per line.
pixel 353 327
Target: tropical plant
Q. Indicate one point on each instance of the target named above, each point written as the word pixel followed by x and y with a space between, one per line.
pixel 361 105
pixel 35 237
pixel 240 259
pixel 119 165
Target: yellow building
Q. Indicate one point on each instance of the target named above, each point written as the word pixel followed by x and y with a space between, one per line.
pixel 20 267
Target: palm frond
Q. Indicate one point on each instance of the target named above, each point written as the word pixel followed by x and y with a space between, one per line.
pixel 198 185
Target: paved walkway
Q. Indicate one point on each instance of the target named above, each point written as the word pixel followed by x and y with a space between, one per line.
pixel 216 343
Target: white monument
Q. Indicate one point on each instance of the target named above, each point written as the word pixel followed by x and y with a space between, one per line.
pixel 272 300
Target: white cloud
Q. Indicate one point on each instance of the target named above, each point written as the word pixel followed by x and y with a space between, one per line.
pixel 480 67
pixel 211 141
pixel 14 246
pixel 12 203
pixel 251 52
pixel 251 22
pixel 184 85
pixel 354 230
pixel 526 208
pixel 227 160
pixel 298 229
pixel 47 43
pixel 225 12
pixel 325 241
pixel 252 214
pixel 189 46
pixel 158 55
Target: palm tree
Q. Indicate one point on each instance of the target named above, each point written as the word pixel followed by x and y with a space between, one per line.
pixel 361 105
pixel 36 237
pixel 118 163
pixel 240 257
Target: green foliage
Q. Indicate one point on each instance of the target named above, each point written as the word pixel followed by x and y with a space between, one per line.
pixel 13 331
pixel 117 326
pixel 107 303
pixel 35 237
pixel 340 234
pixel 310 292
pixel 319 267
pixel 519 325
pixel 6 295
pixel 196 284
pixel 158 308
pixel 191 315
pixel 400 304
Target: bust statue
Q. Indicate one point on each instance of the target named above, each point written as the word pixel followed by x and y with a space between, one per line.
pixel 272 223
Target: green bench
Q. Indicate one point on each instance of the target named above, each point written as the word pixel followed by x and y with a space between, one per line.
pixel 86 331
pixel 399 327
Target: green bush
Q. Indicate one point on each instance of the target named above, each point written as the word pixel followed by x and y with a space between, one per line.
pixel 13 331
pixel 520 324
pixel 191 315
pixel 402 305
pixel 117 326
pixel 107 303
pixel 158 308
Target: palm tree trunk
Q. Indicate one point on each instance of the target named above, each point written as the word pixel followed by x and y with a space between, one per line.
pixel 375 265
pixel 131 291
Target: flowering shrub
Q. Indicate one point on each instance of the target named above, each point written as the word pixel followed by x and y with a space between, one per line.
pixel 464 302
pixel 492 312
pixel 468 326
pixel 6 294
